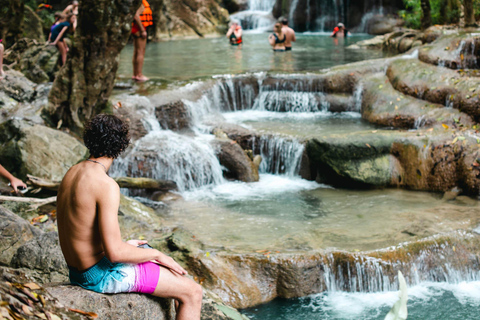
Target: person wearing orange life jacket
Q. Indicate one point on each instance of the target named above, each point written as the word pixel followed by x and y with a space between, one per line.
pixel 234 34
pixel 142 20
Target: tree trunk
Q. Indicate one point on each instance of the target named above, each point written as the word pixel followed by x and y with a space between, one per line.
pixel 83 86
pixel 426 14
pixel 469 13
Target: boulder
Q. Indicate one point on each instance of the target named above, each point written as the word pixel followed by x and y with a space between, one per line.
pixel 37 61
pixel 42 255
pixel 373 43
pixel 239 166
pixel 381 24
pixel 37 150
pixel 173 116
pixel 340 102
pixel 113 307
pixel 14 232
pixel 17 87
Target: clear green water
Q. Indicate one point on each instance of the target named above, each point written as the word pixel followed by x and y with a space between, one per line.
pixel 199 58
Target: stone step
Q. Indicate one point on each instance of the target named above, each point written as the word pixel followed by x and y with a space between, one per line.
pixel 383 105
pixel 436 84
pixel 453 51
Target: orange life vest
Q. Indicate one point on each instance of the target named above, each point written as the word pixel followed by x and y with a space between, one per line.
pixel 146 16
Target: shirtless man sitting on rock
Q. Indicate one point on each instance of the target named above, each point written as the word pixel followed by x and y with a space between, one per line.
pixel 87 207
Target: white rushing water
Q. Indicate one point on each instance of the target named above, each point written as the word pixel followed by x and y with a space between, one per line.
pixel 258 17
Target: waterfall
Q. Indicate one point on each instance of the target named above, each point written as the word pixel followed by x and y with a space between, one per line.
pixel 279 155
pixel 166 155
pixel 258 16
pixel 357 273
pixel 287 101
pixel 261 5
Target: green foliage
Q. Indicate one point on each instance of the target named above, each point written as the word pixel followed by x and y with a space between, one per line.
pixel 443 12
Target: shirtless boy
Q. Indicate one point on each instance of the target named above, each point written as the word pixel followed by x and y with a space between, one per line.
pixel 87 207
pixel 289 33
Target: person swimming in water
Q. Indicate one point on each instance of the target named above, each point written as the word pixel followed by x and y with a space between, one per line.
pixel 234 34
pixel 277 38
pixel 340 31
pixel 289 32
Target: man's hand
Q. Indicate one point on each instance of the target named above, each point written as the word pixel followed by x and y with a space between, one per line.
pixel 136 243
pixel 169 263
pixel 15 183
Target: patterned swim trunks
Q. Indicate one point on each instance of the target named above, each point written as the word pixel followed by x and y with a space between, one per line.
pixel 109 277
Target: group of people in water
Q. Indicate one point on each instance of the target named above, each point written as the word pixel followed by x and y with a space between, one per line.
pixel 282 37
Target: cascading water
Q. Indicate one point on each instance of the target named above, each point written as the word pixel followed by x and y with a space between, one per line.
pixel 163 154
pixel 285 101
pixel 279 155
pixel 258 16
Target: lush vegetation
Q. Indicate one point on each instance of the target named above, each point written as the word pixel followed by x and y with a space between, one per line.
pixel 443 12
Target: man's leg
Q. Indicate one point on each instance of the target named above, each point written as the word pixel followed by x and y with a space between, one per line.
pixel 186 291
pixel 1 61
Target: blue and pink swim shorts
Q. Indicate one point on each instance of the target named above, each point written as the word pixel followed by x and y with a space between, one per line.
pixel 108 277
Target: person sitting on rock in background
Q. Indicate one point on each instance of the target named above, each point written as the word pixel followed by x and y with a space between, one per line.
pixel 72 9
pixel 234 34
pixel 143 19
pixel 58 34
pixel 277 38
pixel 2 73
pixel 15 183
pixel 340 31
pixel 88 201
pixel 59 16
pixel 289 32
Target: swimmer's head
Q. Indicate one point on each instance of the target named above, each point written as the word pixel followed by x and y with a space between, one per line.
pixel 284 21
pixel 75 2
pixel 234 23
pixel 106 136
pixel 340 25
pixel 278 27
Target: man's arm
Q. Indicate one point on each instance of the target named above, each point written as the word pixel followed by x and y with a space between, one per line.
pixel 294 38
pixel 229 32
pixel 108 201
pixel 238 33
pixel 15 182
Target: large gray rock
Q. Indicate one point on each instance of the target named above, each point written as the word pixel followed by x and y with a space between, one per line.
pixel 42 255
pixel 16 86
pixel 113 307
pixel 173 116
pixel 37 61
pixel 14 232
pixel 38 150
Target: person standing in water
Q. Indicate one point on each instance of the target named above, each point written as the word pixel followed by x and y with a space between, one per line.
pixel 89 233
pixel 234 34
pixel 143 19
pixel 340 31
pixel 277 38
pixel 289 33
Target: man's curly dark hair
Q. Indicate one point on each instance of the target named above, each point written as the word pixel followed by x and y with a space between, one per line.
pixel 106 136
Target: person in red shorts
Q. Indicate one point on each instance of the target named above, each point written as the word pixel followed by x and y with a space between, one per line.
pixel 143 19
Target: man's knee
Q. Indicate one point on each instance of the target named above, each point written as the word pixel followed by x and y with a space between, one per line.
pixel 194 293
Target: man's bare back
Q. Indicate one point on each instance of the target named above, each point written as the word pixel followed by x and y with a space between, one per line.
pixel 290 34
pixel 78 228
pixel 89 233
